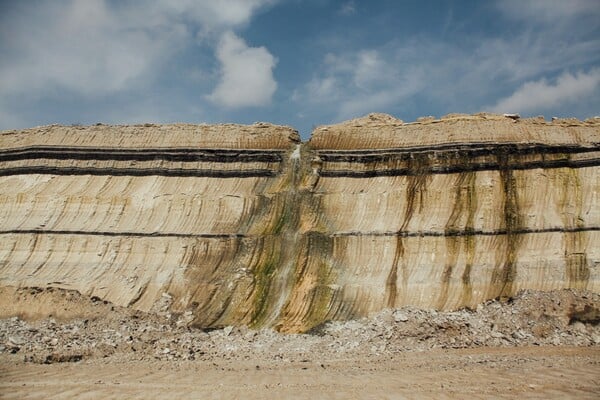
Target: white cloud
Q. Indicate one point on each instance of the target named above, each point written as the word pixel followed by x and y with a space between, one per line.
pixel 246 74
pixel 318 89
pixel 348 8
pixel 210 14
pixel 540 95
pixel 422 75
pixel 98 48
pixel 81 46
pixel 363 81
pixel 370 69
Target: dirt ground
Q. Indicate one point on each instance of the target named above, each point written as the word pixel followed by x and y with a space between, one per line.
pixel 526 372
pixel 534 345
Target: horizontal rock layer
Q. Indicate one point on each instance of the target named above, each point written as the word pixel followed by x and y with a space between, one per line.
pixel 244 225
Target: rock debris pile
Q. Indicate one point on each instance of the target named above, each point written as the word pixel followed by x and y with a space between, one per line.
pixel 565 317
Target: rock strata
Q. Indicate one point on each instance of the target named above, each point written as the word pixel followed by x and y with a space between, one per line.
pixel 231 225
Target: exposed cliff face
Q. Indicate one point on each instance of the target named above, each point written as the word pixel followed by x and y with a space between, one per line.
pixel 245 225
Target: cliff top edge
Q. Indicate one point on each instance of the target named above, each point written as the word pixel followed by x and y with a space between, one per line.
pixel 375 130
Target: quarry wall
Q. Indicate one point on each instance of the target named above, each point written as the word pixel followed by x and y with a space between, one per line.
pixel 246 225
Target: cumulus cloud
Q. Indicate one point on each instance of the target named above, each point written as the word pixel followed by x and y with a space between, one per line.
pixel 389 78
pixel 358 82
pixel 90 49
pixel 422 75
pixel 540 95
pixel 97 47
pixel 81 46
pixel 370 69
pixel 246 74
pixel 348 8
pixel 209 13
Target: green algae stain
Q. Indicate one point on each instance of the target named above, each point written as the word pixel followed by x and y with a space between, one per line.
pixel 263 274
pixel 313 292
pixel 286 266
pixel 322 292
pixel 276 249
pixel 283 220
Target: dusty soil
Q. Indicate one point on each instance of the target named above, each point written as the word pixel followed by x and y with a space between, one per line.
pixel 528 372
pixel 60 344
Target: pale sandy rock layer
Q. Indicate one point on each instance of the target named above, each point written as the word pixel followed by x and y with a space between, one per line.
pixel 260 135
pixel 243 225
pixel 381 131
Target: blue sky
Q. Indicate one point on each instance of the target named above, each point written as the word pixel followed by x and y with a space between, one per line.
pixel 296 62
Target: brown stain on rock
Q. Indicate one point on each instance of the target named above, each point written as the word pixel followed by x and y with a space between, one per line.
pixel 418 165
pixel 391 285
pixel 461 220
pixel 576 262
pixel 210 267
pixel 467 286
pixel 504 273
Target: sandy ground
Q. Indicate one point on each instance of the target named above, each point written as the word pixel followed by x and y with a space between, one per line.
pixel 530 372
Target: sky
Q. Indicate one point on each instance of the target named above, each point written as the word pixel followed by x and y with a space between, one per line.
pixel 302 63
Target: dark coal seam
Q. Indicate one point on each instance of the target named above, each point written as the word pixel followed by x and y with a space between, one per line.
pixel 499 232
pixel 457 154
pixel 185 155
pixel 132 234
pixel 181 150
pixel 339 234
pixel 484 148
pixel 459 168
pixel 139 172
